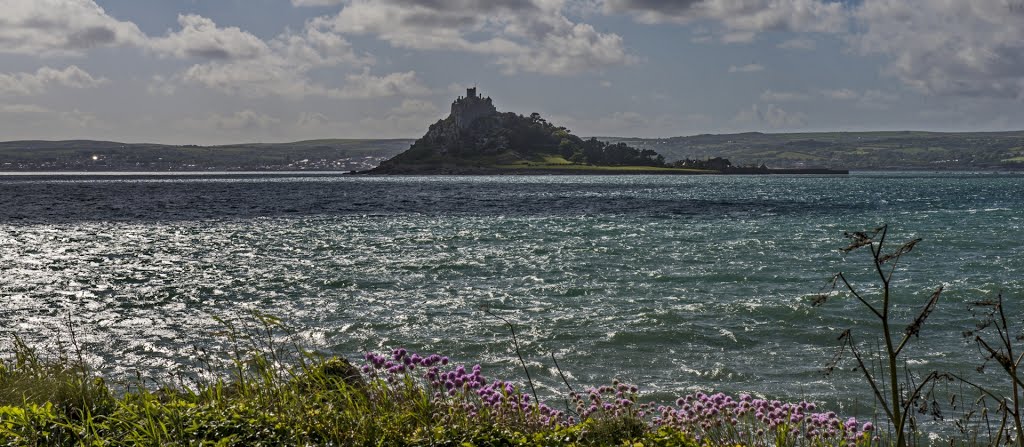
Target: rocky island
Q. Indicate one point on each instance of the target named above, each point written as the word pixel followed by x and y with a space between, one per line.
pixel 478 139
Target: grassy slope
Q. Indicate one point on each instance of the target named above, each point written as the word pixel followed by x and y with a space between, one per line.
pixel 321 401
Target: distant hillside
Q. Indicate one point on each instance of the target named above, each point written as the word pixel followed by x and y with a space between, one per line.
pixel 843 150
pixel 87 155
pixel 849 150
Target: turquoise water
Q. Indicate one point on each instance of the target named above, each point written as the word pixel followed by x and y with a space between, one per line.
pixel 674 283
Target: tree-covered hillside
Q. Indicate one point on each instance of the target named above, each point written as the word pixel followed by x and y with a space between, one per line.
pixel 88 155
pixel 510 139
pixel 849 150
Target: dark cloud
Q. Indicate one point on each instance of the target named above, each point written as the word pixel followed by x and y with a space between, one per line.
pixel 659 6
pixel 92 37
pixel 61 27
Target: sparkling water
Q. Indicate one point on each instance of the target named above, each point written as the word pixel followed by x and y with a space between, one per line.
pixel 675 283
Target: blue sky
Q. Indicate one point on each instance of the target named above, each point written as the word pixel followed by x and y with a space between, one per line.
pixel 218 71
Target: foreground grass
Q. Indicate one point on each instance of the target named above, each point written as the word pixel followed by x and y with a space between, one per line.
pixel 400 398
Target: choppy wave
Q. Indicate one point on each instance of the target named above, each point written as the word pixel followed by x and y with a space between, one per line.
pixel 674 283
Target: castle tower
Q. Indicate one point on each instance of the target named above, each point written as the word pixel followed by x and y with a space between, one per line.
pixel 468 109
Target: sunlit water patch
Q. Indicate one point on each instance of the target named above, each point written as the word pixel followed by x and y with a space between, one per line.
pixel 674 283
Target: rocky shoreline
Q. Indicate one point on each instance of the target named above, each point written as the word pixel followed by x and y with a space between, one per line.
pixel 463 170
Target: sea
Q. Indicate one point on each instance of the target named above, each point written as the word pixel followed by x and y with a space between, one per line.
pixel 677 284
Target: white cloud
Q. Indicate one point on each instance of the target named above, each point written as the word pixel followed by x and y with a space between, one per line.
pixel 772 116
pixel 38 82
pixel 774 96
pixel 200 37
pixel 243 120
pixel 947 47
pixel 867 99
pixel 634 123
pixel 800 43
pixel 317 48
pixel 160 85
pixel 61 27
pixel 23 109
pixel 30 121
pixel 408 119
pixel 239 63
pixel 742 20
pixel 259 80
pixel 416 107
pixel 312 121
pixel 749 68
pixel 877 99
pixel 365 85
pixel 738 37
pixel 317 2
pixel 254 79
pixel 523 35
pixel 81 120
pixel 842 94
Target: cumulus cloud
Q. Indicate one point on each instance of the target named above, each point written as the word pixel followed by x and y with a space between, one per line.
pixel 231 59
pixel 365 85
pixel 947 47
pixel 741 19
pixel 524 35
pixel 937 47
pixel 38 82
pixel 200 37
pixel 770 115
pixel 239 63
pixel 253 79
pixel 61 27
pixel 749 68
pixel 316 47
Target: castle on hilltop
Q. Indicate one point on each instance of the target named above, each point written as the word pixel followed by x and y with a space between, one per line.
pixel 468 109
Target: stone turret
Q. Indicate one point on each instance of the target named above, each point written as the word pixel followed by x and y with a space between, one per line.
pixel 468 109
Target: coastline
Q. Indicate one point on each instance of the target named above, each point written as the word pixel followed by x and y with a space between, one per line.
pixel 602 170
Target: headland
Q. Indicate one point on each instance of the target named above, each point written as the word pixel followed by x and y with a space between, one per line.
pixel 477 139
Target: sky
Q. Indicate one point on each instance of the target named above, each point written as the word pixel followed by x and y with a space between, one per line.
pixel 223 71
